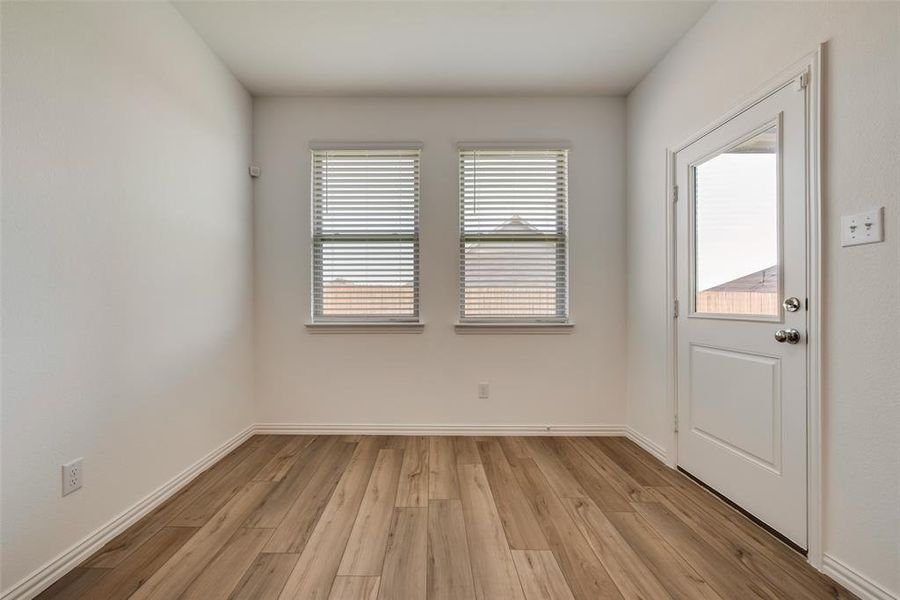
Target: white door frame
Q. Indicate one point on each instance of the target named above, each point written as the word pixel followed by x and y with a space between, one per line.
pixel 810 68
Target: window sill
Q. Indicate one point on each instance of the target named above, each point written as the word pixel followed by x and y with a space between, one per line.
pixel 352 327
pixel 515 328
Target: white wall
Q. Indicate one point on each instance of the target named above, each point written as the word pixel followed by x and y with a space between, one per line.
pixel 732 51
pixel 126 247
pixel 431 378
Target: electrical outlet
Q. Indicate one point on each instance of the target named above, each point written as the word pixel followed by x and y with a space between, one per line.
pixel 484 390
pixel 862 228
pixel 72 476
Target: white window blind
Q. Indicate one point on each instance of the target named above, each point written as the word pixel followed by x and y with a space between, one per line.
pixel 513 235
pixel 365 220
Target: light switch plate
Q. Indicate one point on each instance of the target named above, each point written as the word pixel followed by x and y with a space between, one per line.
pixel 863 228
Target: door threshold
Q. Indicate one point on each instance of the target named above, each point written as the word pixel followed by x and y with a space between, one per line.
pixel 768 528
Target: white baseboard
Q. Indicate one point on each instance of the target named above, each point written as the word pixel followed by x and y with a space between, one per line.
pixel 44 577
pixel 647 444
pixel 854 581
pixel 404 429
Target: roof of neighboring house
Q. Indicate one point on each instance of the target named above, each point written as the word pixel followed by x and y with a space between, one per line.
pixel 762 281
pixel 515 224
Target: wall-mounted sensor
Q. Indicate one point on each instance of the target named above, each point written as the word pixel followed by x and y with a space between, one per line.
pixel 255 171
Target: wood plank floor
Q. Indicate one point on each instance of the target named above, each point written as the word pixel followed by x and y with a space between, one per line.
pixel 406 518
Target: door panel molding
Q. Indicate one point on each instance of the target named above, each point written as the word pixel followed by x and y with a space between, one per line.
pixel 807 72
pixel 771 463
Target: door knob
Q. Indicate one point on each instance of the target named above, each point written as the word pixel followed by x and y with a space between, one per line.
pixel 791 336
pixel 791 304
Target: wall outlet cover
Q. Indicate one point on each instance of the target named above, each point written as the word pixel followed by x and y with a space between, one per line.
pixel 72 476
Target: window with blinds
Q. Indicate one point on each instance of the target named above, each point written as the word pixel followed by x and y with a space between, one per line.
pixel 365 235
pixel 513 235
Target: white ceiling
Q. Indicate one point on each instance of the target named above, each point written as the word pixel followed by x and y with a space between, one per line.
pixel 440 47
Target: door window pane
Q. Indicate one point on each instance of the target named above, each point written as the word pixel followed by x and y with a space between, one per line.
pixel 736 217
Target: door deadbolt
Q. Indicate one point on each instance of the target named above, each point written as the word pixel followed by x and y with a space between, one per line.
pixel 791 336
pixel 791 304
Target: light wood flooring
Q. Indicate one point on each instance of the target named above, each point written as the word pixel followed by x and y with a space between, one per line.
pixel 360 517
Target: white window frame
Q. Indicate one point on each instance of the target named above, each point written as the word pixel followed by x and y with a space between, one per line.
pixel 362 323
pixel 519 324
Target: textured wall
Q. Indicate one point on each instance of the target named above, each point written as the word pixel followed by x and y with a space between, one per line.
pixel 728 55
pixel 126 263
pixel 432 377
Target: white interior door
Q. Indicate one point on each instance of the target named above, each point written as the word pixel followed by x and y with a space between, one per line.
pixel 741 289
